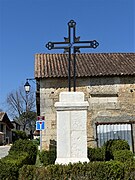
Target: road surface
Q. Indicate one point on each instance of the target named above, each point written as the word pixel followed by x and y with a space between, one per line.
pixel 4 150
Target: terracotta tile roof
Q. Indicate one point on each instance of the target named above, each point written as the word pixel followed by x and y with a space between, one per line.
pixel 88 64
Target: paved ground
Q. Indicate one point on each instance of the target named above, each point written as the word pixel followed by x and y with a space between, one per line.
pixel 4 150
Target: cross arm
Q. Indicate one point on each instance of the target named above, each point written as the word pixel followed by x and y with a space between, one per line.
pixel 55 45
pixel 91 44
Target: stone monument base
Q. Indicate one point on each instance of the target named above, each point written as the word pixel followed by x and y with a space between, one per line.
pixel 71 128
pixel 71 160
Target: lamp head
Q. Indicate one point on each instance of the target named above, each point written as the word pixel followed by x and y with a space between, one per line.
pixel 27 87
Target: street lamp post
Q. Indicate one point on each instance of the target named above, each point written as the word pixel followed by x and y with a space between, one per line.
pixel 27 90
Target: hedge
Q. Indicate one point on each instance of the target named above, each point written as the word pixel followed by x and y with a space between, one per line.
pixel 123 155
pixel 114 145
pixel 9 165
pixel 25 146
pixel 21 152
pixel 96 154
pixel 113 170
pixel 129 170
pixel 47 157
pixel 17 134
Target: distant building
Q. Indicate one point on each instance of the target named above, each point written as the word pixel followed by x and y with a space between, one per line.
pixel 5 129
pixel 17 125
pixel 108 81
pixel 36 134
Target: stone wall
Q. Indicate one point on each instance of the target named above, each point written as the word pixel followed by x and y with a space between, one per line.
pixel 111 99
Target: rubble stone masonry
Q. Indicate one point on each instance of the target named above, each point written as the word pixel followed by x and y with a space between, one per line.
pixel 111 99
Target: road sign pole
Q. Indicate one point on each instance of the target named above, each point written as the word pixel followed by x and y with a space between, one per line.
pixel 40 125
pixel 40 140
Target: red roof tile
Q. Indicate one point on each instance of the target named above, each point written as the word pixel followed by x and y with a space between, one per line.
pixel 87 64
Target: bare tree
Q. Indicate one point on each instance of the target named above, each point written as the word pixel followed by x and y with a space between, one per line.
pixel 19 102
pixel 21 106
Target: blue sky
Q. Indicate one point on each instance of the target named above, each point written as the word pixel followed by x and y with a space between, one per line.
pixel 27 25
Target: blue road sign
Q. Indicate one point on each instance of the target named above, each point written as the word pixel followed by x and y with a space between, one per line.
pixel 40 125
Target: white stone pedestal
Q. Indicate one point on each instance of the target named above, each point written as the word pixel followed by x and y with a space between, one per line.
pixel 71 128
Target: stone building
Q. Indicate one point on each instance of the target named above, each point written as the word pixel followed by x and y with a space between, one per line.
pixel 108 81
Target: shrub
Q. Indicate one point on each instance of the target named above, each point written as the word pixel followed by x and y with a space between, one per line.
pixel 20 159
pixel 129 170
pixel 36 142
pixel 19 135
pixel 8 171
pixel 21 152
pixel 114 145
pixel 25 146
pixel 31 172
pixel 93 170
pixel 47 157
pixel 123 155
pixel 27 172
pixel 9 165
pixel 96 154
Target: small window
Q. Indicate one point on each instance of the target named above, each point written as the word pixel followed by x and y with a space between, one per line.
pixel 106 132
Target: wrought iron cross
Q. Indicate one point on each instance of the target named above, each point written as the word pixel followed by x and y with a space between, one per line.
pixel 68 45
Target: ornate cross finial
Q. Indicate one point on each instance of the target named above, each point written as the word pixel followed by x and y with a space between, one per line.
pixel 68 45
